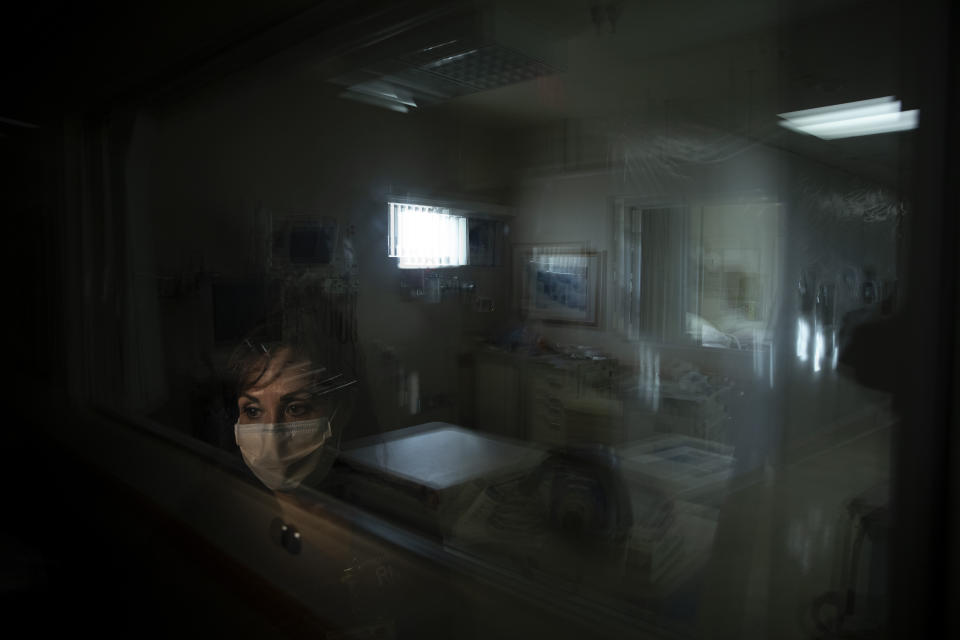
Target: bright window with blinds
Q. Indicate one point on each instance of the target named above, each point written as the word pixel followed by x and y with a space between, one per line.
pixel 426 237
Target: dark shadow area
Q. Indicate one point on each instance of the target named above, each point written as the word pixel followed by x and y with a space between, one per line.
pixel 81 553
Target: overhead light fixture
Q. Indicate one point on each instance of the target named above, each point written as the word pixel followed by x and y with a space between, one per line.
pixel 381 94
pixel 451 53
pixel 863 118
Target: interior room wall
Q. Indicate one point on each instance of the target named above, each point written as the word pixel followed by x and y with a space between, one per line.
pixel 557 206
pixel 577 206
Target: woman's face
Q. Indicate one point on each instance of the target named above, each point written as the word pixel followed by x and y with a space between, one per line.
pixel 284 393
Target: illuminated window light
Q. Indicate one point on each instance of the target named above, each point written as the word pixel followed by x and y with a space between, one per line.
pixel 425 237
pixel 818 349
pixel 803 339
pixel 863 118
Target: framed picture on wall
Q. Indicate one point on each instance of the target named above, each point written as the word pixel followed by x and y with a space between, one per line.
pixel 302 241
pixel 559 283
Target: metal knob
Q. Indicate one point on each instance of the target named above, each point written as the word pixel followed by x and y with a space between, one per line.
pixel 286 536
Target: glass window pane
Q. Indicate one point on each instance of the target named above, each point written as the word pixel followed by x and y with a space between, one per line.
pixel 596 301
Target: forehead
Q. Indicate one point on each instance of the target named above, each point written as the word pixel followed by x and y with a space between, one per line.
pixel 284 372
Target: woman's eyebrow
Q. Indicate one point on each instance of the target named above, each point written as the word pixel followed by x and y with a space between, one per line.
pixel 303 392
pixel 249 397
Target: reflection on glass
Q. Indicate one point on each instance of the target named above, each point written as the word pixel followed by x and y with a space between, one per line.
pixel 624 387
pixel 290 394
pixel 818 349
pixel 425 237
pixel 803 340
pixel 863 118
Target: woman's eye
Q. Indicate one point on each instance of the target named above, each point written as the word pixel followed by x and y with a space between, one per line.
pixel 252 412
pixel 297 409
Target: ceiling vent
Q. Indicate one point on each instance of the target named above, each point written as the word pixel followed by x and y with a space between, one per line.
pixel 450 57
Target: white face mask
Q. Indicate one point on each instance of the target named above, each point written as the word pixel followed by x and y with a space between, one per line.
pixel 283 454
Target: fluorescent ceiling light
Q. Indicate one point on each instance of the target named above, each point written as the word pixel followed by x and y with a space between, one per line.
pixel 863 118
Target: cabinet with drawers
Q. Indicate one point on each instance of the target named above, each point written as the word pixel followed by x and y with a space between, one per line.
pixel 553 400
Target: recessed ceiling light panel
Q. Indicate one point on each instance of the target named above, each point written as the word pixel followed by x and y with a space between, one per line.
pixel 862 118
